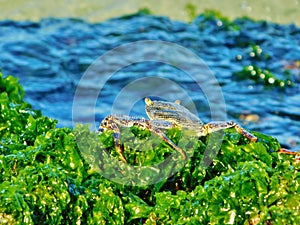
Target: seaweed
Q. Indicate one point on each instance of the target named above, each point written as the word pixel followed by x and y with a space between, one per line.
pixel 53 175
pixel 263 76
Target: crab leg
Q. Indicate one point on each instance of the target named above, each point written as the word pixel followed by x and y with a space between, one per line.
pixel 245 133
pixel 110 124
pixel 289 152
pixel 113 122
pixel 215 126
pixel 166 139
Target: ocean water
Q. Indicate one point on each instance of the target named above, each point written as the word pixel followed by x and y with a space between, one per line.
pixel 108 67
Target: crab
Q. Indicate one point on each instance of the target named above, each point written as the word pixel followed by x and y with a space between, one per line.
pixel 166 115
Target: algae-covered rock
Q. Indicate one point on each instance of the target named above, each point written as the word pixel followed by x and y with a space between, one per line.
pixel 55 175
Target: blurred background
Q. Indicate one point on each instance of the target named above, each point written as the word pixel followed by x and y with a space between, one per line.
pixel 278 11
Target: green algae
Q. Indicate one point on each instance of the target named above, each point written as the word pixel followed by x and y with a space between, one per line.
pixel 263 76
pixel 46 179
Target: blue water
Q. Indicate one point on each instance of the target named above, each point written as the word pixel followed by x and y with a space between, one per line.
pixel 51 56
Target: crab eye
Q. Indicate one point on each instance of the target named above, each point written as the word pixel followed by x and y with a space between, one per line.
pixel 148 101
pixel 178 102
